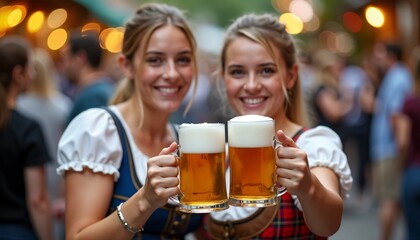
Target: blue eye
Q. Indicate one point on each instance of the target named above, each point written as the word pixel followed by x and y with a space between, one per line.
pixel 184 60
pixel 267 71
pixel 236 73
pixel 154 60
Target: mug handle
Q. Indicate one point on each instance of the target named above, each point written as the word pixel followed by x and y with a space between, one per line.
pixel 280 189
pixel 175 199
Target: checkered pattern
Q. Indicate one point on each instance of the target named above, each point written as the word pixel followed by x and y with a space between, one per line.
pixel 288 224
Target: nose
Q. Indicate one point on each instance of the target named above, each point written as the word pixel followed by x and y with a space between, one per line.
pixel 170 71
pixel 252 84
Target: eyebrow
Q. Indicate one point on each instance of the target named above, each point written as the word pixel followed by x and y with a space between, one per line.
pixel 268 64
pixel 162 53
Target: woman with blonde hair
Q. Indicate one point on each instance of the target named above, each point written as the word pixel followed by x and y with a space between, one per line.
pixel 260 74
pixel 121 157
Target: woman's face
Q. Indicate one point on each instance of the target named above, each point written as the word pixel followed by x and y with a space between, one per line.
pixel 166 71
pixel 253 81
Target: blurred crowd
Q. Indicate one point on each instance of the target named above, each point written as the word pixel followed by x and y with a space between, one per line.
pixel 365 102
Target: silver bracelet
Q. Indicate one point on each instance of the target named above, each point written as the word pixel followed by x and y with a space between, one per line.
pixel 124 223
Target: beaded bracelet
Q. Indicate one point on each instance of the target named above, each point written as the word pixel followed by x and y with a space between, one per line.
pixel 124 223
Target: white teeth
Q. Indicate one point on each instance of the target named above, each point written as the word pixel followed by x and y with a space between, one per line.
pixel 253 100
pixel 168 90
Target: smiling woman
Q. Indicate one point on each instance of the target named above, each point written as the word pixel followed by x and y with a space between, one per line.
pixel 120 157
pixel 259 69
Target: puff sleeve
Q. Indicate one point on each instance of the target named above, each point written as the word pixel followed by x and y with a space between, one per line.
pixel 324 149
pixel 91 141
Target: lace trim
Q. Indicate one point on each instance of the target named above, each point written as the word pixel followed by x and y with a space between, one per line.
pixel 94 166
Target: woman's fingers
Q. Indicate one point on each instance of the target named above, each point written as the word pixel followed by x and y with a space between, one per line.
pixel 285 140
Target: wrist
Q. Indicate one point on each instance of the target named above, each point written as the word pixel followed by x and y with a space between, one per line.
pixel 310 193
pixel 124 222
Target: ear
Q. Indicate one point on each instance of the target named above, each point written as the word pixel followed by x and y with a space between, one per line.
pixel 17 74
pixel 126 66
pixel 292 75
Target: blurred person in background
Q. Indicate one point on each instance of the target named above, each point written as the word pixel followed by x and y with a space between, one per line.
pixel 407 126
pixel 25 210
pixel 122 158
pixel 393 90
pixel 358 93
pixel 44 103
pixel 82 57
pixel 328 105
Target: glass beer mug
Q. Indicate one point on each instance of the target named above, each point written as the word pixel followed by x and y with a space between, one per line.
pixel 202 168
pixel 252 161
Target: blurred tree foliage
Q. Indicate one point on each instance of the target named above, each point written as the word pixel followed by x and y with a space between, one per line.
pixel 219 12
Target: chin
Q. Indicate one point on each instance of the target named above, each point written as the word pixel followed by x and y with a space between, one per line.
pixel 248 111
pixel 171 108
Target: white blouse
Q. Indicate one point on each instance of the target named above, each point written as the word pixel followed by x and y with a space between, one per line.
pixel 91 140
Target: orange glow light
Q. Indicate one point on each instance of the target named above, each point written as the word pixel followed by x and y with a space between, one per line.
pixel 57 39
pixel 16 15
pixel 35 21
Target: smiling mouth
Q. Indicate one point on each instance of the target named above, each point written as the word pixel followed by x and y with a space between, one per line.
pixel 168 90
pixel 253 101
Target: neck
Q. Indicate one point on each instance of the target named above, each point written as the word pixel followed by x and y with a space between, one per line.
pixel 153 125
pixel 89 77
pixel 11 98
pixel 285 124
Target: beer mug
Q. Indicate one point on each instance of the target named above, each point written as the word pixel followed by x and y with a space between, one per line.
pixel 252 145
pixel 201 153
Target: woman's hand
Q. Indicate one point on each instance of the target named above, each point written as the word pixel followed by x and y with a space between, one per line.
pixel 162 177
pixel 292 166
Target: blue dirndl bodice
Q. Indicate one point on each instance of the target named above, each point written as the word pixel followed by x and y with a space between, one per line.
pixel 166 222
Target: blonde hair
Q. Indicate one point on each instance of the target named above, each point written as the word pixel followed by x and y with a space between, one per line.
pixel 267 31
pixel 43 83
pixel 138 31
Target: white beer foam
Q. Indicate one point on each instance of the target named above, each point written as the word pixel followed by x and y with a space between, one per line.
pixel 202 138
pixel 251 131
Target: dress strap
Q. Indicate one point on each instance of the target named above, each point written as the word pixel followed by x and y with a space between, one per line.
pixel 126 185
pixel 298 133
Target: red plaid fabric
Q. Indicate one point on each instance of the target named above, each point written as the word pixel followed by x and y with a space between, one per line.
pixel 288 224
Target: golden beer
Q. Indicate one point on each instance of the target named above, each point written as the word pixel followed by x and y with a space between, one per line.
pixel 202 167
pixel 252 173
pixel 252 161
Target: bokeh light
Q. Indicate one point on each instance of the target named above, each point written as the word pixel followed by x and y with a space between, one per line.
pixel 281 5
pixel 103 35
pixel 352 21
pixel 113 42
pixel 94 27
pixel 57 18
pixel 293 23
pixel 16 15
pixel 302 9
pixel 57 39
pixel 344 43
pixel 375 16
pixel 312 25
pixel 35 21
